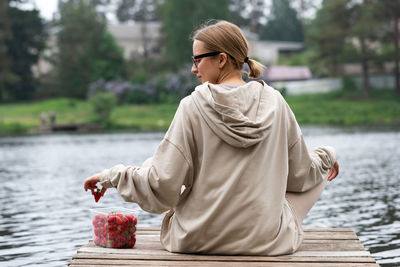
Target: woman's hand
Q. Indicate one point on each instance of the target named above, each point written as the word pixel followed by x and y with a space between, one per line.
pixel 90 183
pixel 333 172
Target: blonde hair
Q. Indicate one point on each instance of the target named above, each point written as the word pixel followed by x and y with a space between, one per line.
pixel 226 37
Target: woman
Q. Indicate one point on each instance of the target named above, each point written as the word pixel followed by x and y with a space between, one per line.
pixel 230 163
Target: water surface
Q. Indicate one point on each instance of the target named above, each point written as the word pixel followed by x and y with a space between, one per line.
pixel 44 215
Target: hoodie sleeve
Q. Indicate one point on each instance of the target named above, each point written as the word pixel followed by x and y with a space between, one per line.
pixel 308 169
pixel 156 189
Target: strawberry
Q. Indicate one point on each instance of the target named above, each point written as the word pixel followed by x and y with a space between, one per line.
pixel 132 229
pixel 96 193
pixel 99 217
pixel 112 219
pixel 132 241
pixel 112 227
pixel 115 230
pixel 134 221
pixel 118 220
pixel 125 222
pixel 122 227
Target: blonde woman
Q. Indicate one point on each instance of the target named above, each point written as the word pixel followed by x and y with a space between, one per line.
pixel 232 173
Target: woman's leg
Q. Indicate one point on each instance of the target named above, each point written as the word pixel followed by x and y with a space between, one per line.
pixel 303 202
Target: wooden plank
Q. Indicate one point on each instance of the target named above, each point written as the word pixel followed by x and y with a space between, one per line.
pixel 156 250
pixel 330 236
pixel 157 229
pixel 328 230
pixel 318 245
pixel 211 263
pixel 332 245
pixel 164 253
pixel 195 258
pixel 321 247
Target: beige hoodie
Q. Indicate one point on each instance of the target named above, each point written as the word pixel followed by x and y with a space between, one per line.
pixel 235 152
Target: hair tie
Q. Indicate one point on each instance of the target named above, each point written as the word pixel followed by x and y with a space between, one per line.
pixel 246 59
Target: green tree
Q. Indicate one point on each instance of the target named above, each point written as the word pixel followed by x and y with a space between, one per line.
pixel 364 30
pixel 141 11
pixel 87 52
pixel 7 77
pixel 327 34
pixel 28 41
pixel 247 13
pixel 21 41
pixel 389 15
pixel 283 25
pixel 180 18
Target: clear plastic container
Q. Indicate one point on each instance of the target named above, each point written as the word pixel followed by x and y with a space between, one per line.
pixel 114 227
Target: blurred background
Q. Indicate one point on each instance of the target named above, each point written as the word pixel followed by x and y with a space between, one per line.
pixel 82 63
pixel 85 85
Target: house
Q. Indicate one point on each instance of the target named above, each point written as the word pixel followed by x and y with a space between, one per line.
pixel 145 39
pixel 139 39
pixel 286 73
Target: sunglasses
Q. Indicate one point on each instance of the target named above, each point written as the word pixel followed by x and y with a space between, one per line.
pixel 196 59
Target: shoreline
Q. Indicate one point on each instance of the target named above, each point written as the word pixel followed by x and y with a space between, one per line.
pixel 324 128
pixel 339 109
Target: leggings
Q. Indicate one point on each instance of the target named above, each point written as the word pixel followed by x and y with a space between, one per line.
pixel 303 202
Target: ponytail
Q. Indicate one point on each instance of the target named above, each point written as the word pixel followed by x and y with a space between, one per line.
pixel 255 68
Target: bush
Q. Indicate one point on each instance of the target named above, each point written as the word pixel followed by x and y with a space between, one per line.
pixel 103 104
pixel 12 128
pixel 180 84
pixel 348 83
pixel 140 77
pixel 138 94
pixel 116 87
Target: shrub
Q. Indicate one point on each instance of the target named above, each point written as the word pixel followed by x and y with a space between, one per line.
pixel 116 87
pixel 348 83
pixel 138 94
pixel 103 104
pixel 180 84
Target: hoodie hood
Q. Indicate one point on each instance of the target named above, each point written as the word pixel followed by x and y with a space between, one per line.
pixel 240 116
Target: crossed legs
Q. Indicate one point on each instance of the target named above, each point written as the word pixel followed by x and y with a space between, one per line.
pixel 303 202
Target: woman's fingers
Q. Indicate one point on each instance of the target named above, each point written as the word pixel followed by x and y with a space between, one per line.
pixel 103 190
pixel 333 172
pixel 90 183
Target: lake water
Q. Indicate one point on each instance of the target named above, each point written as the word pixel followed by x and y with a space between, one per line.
pixel 44 215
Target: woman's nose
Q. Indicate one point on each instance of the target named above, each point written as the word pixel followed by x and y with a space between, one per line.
pixel 194 69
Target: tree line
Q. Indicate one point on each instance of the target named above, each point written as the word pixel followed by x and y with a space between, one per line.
pixel 87 59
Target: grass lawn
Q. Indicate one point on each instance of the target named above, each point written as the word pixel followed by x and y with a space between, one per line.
pixel 337 108
pixel 347 109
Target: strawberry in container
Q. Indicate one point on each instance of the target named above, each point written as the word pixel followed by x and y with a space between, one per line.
pixel 114 227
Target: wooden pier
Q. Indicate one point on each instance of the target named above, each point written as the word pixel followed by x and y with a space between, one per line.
pixel 321 247
pixel 56 128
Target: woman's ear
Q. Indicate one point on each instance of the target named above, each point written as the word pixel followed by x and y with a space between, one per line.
pixel 223 60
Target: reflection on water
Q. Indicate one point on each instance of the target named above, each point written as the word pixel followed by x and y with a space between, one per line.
pixel 44 214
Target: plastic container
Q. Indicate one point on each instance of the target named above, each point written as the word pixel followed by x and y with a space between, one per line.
pixel 114 227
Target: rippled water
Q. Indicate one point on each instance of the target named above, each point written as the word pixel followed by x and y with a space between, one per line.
pixel 44 215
